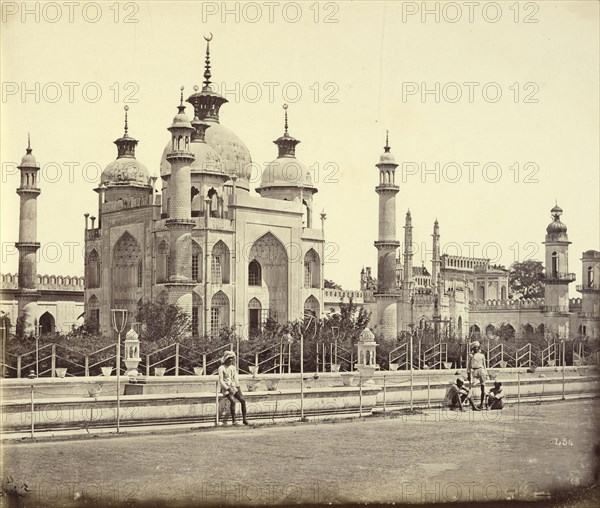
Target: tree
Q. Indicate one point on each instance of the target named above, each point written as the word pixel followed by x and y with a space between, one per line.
pixel 166 323
pixel 329 284
pixel 526 279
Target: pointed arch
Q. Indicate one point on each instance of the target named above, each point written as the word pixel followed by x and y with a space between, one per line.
pixel 490 330
pixel 219 270
pixel 47 323
pixel 474 332
pixel 312 269
pixel 254 273
pixel 93 269
pixel 554 261
pixel 219 313
pixel 162 262
pixel 196 262
pixel 93 311
pixel 272 256
pixel 197 309
pixel 127 275
pixel 312 307
pixel 254 315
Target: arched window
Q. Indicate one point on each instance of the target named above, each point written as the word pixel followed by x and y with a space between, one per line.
pixel 312 307
pixel 93 312
pixel 254 273
pixel 503 293
pixel 47 323
pixel 214 202
pixel 490 330
pixel 93 270
pixel 459 326
pixel 475 332
pixel 312 270
pixel 162 263
pixel 254 315
pixel 481 294
pixel 554 264
pixel 140 274
pixel 590 277
pixel 219 313
pixel 126 274
pixel 528 331
pixel 219 270
pixel 196 262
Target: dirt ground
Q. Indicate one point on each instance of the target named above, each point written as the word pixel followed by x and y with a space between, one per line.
pixel 546 453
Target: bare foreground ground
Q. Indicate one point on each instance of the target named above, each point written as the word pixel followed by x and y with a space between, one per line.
pixel 536 455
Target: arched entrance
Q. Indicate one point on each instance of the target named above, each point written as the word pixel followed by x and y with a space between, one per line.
pixel 47 323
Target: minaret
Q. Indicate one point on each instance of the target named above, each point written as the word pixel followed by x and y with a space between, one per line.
pixel 28 244
pixel 180 222
pixel 557 277
pixel 436 262
pixel 408 252
pixel 387 244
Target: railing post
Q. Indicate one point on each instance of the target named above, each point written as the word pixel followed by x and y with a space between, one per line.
pixel 384 393
pixel 204 364
pixel 19 366
pixel 177 358
pixel 87 365
pixel 53 361
pixel 147 365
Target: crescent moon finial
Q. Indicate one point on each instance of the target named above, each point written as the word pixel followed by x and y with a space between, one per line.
pixel 209 38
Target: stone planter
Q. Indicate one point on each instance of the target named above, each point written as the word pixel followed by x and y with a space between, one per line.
pixel 253 369
pixel 272 384
pixel 251 384
pixel 502 364
pixel 447 365
pixel 335 367
pixel 198 371
pixel 394 366
pixel 106 371
pixel 159 371
pixel 551 363
pixel 60 372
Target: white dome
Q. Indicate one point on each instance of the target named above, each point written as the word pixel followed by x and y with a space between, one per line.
pixel 125 170
pixel 286 172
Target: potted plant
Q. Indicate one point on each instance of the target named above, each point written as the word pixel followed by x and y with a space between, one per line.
pixel 335 367
pixel 253 370
pixel 198 371
pixel 159 371
pixel 447 365
pixel 394 366
pixel 106 371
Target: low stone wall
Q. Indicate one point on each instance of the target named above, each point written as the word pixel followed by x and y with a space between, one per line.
pixel 80 412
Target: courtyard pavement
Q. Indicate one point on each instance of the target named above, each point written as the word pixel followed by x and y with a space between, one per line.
pixel 546 453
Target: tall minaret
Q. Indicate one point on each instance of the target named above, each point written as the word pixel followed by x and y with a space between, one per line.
pixel 28 244
pixel 408 252
pixel 436 262
pixel 180 222
pixel 557 277
pixel 387 244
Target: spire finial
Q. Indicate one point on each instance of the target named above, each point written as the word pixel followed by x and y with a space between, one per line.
pixel 285 108
pixel 28 143
pixel 126 108
pixel 387 141
pixel 207 74
pixel 181 96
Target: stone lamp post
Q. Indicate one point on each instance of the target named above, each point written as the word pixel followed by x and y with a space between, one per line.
pixel 367 348
pixel 132 353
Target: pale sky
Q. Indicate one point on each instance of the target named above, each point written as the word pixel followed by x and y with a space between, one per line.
pixel 351 75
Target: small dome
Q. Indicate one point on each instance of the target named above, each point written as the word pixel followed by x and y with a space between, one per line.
pixel 205 158
pixel 131 335
pixel 125 170
pixel 366 336
pixel 557 210
pixel 28 160
pixel 233 153
pixel 181 120
pixel 286 172
pixel 387 158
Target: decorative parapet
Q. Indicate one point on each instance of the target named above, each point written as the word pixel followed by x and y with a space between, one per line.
pixel 338 294
pixel 508 304
pixel 131 202
pixel 46 282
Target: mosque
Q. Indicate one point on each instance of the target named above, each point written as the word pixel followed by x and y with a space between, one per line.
pixel 230 258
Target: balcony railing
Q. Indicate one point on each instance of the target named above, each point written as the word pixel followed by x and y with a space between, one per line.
pixel 588 315
pixel 559 277
pixel 555 308
pixel 583 289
